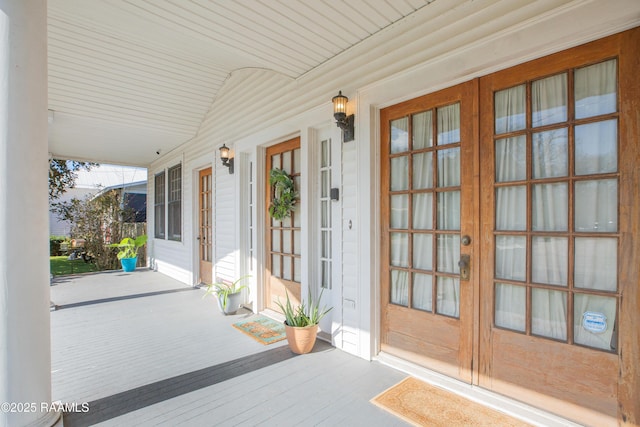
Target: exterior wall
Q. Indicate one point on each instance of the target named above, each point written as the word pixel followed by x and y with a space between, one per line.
pixel 226 221
pixel 350 227
pixel 58 227
pixel 170 257
pixel 259 107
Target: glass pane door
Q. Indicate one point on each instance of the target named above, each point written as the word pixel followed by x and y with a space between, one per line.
pixel 427 173
pixel 424 221
pixel 283 240
pixel 559 224
pixel 205 225
pixel 556 207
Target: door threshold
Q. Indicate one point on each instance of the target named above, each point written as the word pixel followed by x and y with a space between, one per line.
pixel 272 314
pixel 498 402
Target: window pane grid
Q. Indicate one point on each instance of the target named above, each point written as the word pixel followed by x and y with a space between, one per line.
pixel 547 279
pixel 424 202
pixel 205 232
pixel 159 205
pixel 325 214
pixel 284 253
pixel 250 208
pixel 174 213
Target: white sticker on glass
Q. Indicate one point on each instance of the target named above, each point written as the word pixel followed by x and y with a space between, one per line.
pixel 594 322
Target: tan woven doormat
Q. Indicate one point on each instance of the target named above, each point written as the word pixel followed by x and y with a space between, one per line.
pixel 424 405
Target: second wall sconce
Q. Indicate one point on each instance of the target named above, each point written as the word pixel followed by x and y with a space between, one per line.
pixel 343 121
pixel 226 160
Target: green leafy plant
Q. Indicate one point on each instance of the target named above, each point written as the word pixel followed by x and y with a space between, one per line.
pixel 129 247
pixel 306 314
pixel 285 195
pixel 91 216
pixel 55 243
pixel 223 290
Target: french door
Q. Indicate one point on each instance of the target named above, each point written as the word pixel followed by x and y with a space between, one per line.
pixel 546 204
pixel 559 151
pixel 428 212
pixel 283 240
pixel 205 220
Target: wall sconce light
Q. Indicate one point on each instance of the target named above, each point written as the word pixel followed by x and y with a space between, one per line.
pixel 343 121
pixel 224 156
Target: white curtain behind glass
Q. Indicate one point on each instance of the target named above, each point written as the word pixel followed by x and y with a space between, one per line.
pixel 448 247
pixel 595 209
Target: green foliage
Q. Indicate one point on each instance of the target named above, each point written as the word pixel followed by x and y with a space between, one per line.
pixel 223 290
pixel 129 247
pixel 54 244
pixel 98 221
pixel 285 195
pixel 303 315
pixel 62 175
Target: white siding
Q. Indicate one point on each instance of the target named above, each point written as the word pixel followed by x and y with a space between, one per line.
pixel 226 223
pixel 257 108
pixel 170 257
pixel 350 224
pixel 58 227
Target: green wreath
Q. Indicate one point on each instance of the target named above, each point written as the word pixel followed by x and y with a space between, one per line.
pixel 285 195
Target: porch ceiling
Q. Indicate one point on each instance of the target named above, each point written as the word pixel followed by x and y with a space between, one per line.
pixel 130 77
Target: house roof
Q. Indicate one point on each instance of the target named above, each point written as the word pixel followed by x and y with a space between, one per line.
pixel 138 187
pixel 109 176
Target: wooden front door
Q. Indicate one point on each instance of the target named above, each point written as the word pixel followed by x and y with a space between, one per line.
pixel 548 196
pixel 428 211
pixel 205 220
pixel 559 144
pixel 283 240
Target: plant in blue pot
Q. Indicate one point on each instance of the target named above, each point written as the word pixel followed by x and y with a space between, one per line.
pixel 128 254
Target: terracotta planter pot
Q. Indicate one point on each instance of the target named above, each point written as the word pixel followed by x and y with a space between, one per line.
pixel 301 339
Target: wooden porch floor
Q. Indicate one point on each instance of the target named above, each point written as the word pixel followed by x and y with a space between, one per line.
pixel 144 350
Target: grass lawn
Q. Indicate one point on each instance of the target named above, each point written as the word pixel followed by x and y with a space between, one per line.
pixel 62 265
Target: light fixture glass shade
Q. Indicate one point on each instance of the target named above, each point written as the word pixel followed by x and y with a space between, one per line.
pixel 339 105
pixel 224 154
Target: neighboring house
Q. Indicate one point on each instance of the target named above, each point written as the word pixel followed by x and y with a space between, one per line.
pixel 133 196
pixel 483 223
pixel 92 183
pixel 59 227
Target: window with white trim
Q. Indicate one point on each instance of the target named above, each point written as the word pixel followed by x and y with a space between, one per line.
pixel 159 205
pixel 168 204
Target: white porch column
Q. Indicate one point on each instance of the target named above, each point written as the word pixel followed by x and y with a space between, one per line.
pixel 25 348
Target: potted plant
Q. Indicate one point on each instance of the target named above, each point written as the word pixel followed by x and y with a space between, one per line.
pixel 128 254
pixel 301 322
pixel 229 296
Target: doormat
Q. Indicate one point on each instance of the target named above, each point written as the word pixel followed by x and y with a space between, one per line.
pixel 262 329
pixel 424 405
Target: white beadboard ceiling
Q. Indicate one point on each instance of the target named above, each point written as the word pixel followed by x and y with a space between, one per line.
pixel 130 77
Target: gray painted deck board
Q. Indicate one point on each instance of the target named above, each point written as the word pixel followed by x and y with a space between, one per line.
pixel 145 350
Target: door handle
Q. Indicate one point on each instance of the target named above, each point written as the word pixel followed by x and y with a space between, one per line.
pixel 465 266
